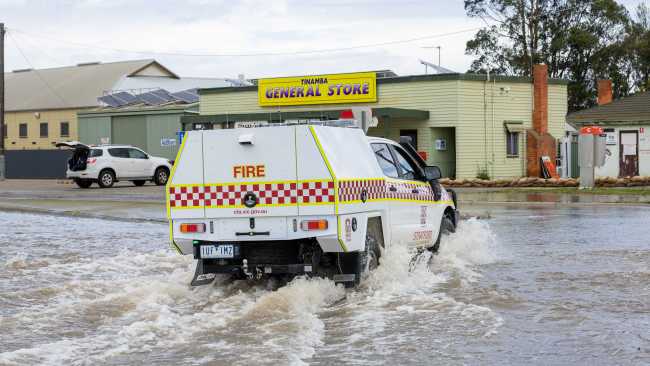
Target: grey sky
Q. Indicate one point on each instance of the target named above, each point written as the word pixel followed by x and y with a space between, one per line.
pixel 248 26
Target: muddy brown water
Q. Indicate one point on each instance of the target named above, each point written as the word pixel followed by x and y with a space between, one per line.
pixel 547 286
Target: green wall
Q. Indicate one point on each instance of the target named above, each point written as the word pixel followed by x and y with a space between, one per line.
pixel 142 130
pixel 92 129
pixel 162 126
pixel 445 159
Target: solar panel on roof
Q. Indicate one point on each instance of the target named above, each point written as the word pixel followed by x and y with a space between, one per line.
pixel 150 99
pixel 187 96
pixel 163 94
pixel 125 98
pixel 109 100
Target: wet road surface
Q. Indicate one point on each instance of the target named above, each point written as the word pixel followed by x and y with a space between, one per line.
pixel 529 286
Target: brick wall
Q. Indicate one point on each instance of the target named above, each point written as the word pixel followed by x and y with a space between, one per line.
pixel 538 141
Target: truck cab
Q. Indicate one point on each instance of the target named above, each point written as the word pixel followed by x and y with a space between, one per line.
pixel 301 199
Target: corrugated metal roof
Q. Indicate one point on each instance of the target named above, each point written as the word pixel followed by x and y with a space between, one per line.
pixel 634 108
pixel 65 87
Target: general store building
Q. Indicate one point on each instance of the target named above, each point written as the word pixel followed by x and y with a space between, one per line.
pixel 468 124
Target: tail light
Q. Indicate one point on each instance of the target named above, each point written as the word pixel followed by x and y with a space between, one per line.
pixel 91 161
pixel 192 228
pixel 310 225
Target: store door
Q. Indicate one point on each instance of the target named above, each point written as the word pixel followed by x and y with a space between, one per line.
pixel 629 154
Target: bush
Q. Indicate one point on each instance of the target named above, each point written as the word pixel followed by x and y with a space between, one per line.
pixel 482 173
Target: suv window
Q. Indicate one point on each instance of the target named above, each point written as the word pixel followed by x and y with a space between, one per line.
pixel 385 160
pixel 137 154
pixel 407 170
pixel 95 153
pixel 119 152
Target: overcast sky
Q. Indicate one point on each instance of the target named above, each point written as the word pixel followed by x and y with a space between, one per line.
pixel 54 33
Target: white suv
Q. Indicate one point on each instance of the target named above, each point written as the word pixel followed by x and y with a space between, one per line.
pixel 107 164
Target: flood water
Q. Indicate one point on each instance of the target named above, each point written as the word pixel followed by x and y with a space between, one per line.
pixel 543 286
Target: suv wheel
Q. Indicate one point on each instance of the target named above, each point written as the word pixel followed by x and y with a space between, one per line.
pixel 446 227
pixel 139 183
pixel 83 183
pixel 106 179
pixel 161 176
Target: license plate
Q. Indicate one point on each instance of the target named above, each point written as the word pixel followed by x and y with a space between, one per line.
pixel 217 251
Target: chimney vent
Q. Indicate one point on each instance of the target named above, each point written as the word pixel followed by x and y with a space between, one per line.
pixel 604 92
pixel 540 101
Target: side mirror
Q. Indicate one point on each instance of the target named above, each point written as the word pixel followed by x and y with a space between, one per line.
pixel 432 172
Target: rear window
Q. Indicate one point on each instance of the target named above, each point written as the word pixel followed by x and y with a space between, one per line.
pixel 95 153
pixel 119 152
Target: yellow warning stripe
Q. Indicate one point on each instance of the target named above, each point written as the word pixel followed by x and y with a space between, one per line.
pixel 167 186
pixel 336 188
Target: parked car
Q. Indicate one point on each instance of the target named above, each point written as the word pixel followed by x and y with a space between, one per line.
pixel 302 199
pixel 107 164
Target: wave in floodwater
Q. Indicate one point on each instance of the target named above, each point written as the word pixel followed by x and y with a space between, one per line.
pixel 128 304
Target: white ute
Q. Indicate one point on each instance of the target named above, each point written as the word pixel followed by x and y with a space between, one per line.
pixel 301 199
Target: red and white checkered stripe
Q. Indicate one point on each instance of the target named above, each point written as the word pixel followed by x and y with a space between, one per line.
pixel 186 196
pixel 407 191
pixel 292 193
pixel 316 192
pixel 267 194
pixel 350 190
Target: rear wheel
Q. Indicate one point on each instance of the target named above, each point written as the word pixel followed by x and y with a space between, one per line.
pixel 83 183
pixel 366 261
pixel 106 178
pixel 139 183
pixel 446 227
pixel 161 176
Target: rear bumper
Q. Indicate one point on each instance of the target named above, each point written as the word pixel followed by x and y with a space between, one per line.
pixel 266 269
pixel 80 175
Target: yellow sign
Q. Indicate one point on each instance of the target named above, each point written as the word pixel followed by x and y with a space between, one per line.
pixel 318 89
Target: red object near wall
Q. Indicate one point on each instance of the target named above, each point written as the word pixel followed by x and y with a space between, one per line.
pixel 423 155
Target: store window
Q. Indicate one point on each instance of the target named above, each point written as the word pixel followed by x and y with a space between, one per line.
pixel 512 144
pixel 413 134
pixel 43 129
pixel 65 129
pixel 22 130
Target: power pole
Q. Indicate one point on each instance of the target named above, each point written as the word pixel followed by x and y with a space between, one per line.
pixel 2 101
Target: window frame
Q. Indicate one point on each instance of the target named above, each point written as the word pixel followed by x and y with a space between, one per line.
pixel 40 130
pixel 67 124
pixel 395 150
pixel 20 130
pixel 509 149
pixel 144 154
pixel 124 149
pixel 377 156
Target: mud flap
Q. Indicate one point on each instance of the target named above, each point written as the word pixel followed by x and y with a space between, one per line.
pixel 201 278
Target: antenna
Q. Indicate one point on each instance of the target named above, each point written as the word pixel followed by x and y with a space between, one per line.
pixel 439 48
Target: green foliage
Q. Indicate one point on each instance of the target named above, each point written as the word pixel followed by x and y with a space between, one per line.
pixel 482 173
pixel 579 40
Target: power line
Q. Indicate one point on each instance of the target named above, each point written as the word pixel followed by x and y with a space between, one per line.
pixel 261 54
pixel 35 70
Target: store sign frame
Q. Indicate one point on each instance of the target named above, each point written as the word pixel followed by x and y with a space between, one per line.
pixel 358 87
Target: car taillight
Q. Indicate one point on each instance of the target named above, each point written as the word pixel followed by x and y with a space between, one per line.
pixel 192 228
pixel 91 161
pixel 309 225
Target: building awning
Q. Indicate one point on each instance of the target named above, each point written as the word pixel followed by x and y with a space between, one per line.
pixel 514 126
pixel 275 116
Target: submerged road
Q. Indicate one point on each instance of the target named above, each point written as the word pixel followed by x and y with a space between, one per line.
pixel 542 285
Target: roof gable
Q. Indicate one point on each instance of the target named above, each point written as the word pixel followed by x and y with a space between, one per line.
pixel 69 87
pixel 634 108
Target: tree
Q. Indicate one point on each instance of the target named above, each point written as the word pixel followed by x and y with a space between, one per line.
pixel 579 40
pixel 637 46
